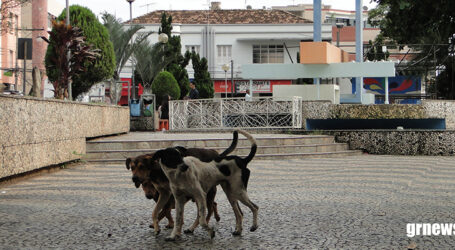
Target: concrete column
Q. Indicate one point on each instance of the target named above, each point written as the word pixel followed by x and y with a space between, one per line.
pixel 386 82
pixel 317 37
pixel 359 46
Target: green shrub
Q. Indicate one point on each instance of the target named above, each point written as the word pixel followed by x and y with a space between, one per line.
pixel 165 84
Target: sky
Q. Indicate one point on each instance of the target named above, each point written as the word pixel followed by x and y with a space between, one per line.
pixel 121 9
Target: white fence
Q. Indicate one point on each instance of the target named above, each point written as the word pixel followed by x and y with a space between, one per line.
pixel 263 112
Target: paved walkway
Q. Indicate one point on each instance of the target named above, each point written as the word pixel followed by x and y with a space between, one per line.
pixel 356 202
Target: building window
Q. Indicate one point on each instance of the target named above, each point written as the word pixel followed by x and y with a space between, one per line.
pixel 224 54
pixel 268 54
pixel 193 48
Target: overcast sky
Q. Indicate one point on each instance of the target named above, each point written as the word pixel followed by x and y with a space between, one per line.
pixel 140 7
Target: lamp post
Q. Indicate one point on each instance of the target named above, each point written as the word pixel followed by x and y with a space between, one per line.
pixel 163 38
pixel 225 67
pixel 133 89
pixel 339 27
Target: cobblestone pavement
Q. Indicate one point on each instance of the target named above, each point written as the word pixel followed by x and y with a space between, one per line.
pixel 354 202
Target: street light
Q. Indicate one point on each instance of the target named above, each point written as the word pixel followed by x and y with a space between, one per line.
pixel 163 38
pixel 339 26
pixel 133 92
pixel 225 67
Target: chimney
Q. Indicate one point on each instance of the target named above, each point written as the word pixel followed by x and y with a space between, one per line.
pixel 215 6
pixel 248 7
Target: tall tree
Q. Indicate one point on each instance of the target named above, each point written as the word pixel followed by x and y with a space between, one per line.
pixel 427 26
pixel 202 79
pixel 96 34
pixel 177 62
pixel 125 42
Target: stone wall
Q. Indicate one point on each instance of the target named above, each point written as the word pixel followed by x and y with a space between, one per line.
pixel 396 142
pixel 36 133
pixel 428 109
pixel 440 109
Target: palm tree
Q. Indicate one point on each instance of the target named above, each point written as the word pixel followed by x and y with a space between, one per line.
pixel 150 60
pixel 125 41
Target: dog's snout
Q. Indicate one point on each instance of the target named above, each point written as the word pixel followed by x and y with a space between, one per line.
pixel 136 181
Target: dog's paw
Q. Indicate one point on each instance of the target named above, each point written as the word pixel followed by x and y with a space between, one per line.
pixel 237 233
pixel 170 238
pixel 253 228
pixel 188 231
pixel 169 226
pixel 217 218
pixel 157 232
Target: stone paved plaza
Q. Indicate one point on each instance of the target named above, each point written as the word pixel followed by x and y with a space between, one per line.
pixel 351 203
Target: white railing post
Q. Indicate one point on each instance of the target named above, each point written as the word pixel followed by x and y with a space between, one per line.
pixel 171 115
pixel 185 114
pixel 221 113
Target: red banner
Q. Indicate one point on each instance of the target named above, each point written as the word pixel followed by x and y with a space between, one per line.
pixel 124 94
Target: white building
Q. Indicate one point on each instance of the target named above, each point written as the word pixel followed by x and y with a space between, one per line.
pixel 245 36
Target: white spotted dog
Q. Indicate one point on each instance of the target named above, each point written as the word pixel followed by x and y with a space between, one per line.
pixel 190 177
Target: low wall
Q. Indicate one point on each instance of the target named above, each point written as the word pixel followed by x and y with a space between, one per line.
pixel 396 142
pixel 442 109
pixel 39 132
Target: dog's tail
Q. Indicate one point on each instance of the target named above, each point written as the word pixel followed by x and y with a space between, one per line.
pixel 253 146
pixel 233 145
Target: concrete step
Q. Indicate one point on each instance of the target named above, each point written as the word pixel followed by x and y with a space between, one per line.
pixel 98 145
pixel 261 156
pixel 270 146
pixel 242 150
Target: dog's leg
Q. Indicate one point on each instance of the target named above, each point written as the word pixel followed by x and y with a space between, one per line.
pixel 162 214
pixel 215 211
pixel 253 207
pixel 202 208
pixel 160 204
pixel 190 230
pixel 179 207
pixel 167 212
pixel 235 206
pixel 211 205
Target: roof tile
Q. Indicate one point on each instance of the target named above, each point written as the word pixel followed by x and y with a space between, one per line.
pixel 223 17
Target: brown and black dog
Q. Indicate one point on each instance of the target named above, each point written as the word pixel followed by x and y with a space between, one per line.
pixel 148 173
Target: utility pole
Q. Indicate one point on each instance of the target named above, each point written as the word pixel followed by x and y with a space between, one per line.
pixel 68 55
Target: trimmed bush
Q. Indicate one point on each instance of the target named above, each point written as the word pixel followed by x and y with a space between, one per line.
pixel 165 84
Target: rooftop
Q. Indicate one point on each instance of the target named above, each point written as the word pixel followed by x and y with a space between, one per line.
pixel 238 16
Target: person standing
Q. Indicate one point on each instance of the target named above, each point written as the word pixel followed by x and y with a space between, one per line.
pixel 194 93
pixel 248 96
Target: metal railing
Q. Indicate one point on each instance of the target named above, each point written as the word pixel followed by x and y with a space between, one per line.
pixel 262 112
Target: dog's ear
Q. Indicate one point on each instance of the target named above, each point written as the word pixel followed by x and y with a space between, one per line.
pixel 157 155
pixel 127 163
pixel 182 150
